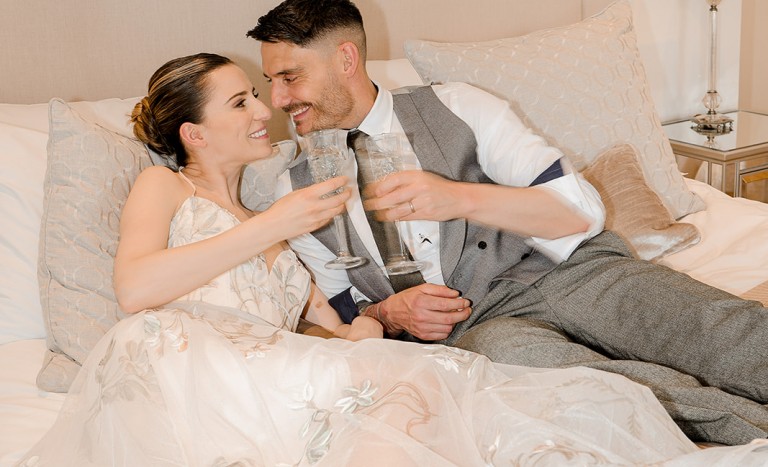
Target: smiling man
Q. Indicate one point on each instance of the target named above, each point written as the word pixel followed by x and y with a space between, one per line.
pixel 314 94
pixel 518 266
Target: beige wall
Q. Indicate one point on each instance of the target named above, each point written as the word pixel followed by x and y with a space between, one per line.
pixel 94 49
pixel 389 22
pixel 754 57
pixel 103 48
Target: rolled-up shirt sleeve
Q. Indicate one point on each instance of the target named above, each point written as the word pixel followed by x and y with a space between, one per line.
pixel 511 154
pixel 575 191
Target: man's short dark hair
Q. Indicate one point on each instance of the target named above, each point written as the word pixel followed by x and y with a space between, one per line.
pixel 301 22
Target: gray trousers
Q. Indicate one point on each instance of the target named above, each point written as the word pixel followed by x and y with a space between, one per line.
pixel 702 351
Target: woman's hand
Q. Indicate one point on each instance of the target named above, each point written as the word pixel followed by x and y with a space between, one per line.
pixel 364 327
pixel 308 209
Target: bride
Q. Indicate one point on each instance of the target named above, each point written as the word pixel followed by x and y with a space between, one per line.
pixel 207 370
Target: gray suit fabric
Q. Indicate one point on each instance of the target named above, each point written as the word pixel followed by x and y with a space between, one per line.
pixel 601 308
pixel 605 310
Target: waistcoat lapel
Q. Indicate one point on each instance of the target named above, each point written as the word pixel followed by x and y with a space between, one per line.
pixel 441 141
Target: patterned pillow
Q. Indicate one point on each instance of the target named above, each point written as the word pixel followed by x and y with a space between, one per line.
pixel 581 86
pixel 90 171
pixel 633 210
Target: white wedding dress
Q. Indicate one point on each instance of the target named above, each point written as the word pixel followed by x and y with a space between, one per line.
pixel 218 379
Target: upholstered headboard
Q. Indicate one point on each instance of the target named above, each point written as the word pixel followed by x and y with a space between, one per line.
pixel 100 48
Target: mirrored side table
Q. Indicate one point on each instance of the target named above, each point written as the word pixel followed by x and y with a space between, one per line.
pixel 734 162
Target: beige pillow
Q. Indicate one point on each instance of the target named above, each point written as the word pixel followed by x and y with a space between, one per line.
pixel 581 86
pixel 91 168
pixel 633 210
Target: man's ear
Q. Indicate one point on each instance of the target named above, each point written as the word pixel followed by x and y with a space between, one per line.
pixel 350 57
pixel 191 135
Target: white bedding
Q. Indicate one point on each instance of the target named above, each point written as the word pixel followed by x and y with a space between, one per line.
pixel 733 252
pixel 25 411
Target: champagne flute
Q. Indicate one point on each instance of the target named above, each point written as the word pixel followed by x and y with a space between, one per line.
pixel 385 156
pixel 327 157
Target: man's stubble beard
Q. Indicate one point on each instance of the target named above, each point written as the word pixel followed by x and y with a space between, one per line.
pixel 336 106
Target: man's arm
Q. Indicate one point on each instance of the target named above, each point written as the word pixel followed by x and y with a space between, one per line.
pixel 557 214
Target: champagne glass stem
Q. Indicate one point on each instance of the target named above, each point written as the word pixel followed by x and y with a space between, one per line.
pixel 341 236
pixel 400 242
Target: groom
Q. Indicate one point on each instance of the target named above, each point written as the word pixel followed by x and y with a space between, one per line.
pixel 518 267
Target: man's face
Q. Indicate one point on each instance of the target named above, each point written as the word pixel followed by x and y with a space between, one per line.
pixel 306 83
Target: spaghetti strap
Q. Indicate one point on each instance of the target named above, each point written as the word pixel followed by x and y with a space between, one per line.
pixel 194 188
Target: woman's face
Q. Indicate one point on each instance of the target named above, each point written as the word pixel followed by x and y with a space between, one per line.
pixel 235 120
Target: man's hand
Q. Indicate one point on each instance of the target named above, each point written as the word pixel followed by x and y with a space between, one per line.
pixel 427 311
pixel 415 194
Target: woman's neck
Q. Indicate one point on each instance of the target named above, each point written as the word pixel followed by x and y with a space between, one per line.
pixel 219 186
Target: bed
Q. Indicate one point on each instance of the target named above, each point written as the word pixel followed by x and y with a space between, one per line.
pixel 694 228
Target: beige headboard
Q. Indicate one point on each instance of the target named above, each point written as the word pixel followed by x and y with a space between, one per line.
pixel 88 50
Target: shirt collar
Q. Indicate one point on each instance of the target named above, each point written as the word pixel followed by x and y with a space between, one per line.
pixel 379 119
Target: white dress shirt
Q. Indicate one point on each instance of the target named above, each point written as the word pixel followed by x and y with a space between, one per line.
pixel 508 152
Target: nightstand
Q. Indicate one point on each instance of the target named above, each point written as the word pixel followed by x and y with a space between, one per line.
pixel 735 162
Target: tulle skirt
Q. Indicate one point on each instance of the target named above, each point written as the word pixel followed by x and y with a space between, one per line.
pixel 204 386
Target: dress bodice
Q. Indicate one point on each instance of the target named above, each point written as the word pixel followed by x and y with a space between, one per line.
pixel 276 295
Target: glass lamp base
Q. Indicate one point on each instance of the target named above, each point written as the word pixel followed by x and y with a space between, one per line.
pixel 712 123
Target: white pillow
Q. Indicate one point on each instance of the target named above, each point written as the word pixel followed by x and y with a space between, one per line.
pixel 581 86
pixel 23 156
pixel 23 136
pixel 393 74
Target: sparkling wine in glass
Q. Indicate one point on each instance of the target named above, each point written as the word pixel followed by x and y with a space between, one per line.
pixel 327 157
pixel 385 156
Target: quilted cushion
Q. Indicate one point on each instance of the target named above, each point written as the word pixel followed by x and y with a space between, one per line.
pixel 581 86
pixel 90 172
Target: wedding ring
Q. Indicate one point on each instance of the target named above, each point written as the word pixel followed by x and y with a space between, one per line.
pixel 413 210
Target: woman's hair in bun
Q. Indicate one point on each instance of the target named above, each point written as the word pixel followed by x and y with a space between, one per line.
pixel 177 93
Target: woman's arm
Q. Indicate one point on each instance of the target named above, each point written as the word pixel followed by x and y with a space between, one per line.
pixel 320 312
pixel 149 274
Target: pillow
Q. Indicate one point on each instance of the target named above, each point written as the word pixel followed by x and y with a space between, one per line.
pixel 633 210
pixel 392 74
pixel 23 135
pixel 92 165
pixel 90 172
pixel 582 87
pixel 257 185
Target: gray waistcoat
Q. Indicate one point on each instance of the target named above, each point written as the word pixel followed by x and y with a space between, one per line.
pixel 472 256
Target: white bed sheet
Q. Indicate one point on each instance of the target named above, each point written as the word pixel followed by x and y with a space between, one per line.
pixel 26 412
pixel 732 255
pixel 733 252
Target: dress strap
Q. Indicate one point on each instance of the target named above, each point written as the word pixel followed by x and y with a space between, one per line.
pixel 194 188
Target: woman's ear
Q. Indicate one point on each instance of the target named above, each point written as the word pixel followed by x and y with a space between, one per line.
pixel 191 135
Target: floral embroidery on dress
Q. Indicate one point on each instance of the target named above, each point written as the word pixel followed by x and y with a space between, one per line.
pixel 276 294
pixel 454 359
pixel 401 396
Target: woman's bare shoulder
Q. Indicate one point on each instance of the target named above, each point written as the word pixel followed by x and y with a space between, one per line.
pixel 159 172
pixel 159 176
pixel 158 184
